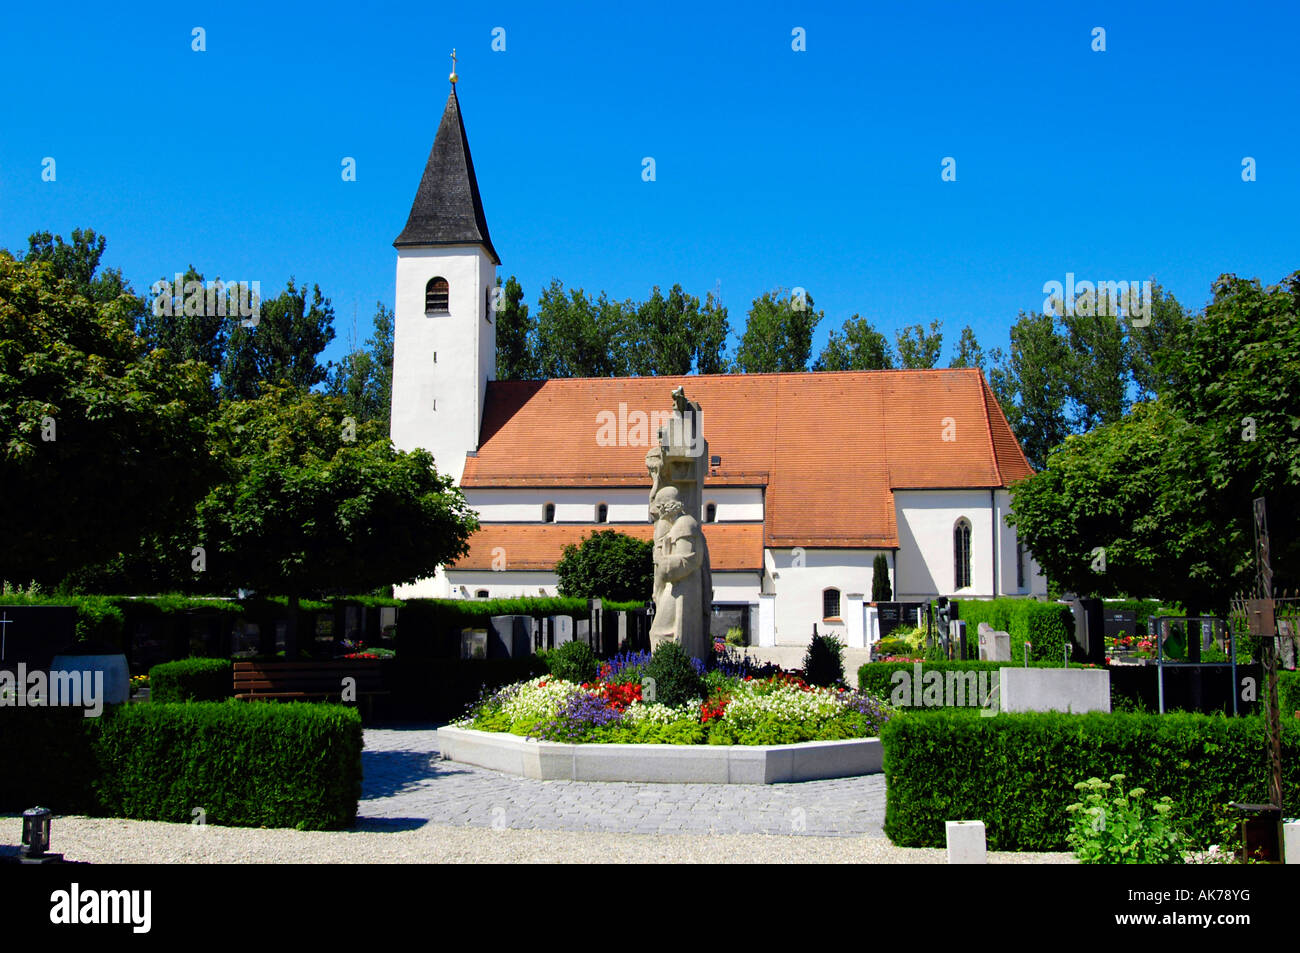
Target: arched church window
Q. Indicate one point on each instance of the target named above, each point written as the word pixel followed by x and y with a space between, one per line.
pixel 961 554
pixel 548 513
pixel 830 603
pixel 602 513
pixel 711 513
pixel 437 293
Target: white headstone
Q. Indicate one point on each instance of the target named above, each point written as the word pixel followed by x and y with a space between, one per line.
pixel 966 842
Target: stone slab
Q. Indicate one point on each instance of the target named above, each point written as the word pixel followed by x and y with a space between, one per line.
pixel 668 764
pixel 1054 689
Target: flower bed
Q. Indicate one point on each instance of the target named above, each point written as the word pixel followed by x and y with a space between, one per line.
pixel 740 709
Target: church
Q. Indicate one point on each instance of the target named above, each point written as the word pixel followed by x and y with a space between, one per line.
pixel 810 475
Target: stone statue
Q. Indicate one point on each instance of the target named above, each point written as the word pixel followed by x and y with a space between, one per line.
pixel 683 582
pixel 679 554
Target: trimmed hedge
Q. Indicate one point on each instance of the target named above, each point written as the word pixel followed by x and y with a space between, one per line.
pixel 192 680
pixel 1047 626
pixel 245 765
pixel 1016 773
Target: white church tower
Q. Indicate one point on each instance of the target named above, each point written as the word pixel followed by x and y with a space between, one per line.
pixel 444 337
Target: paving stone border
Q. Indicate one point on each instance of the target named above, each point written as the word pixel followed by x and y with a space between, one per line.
pixel 674 764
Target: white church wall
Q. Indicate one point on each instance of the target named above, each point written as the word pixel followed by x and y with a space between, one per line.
pixel 455 379
pixel 736 587
pixel 925 521
pixel 467 583
pixel 578 504
pixel 801 576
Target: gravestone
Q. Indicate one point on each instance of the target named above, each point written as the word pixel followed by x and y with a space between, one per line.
pixel 995 646
pixel 473 643
pixel 1119 622
pixel 1090 628
pixel 33 634
pixel 582 632
pixel 561 627
pixel 510 636
pixel 957 639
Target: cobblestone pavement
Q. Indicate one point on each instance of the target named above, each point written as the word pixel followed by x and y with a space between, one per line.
pixel 407 782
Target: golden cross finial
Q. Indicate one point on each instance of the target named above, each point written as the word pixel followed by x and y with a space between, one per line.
pixel 453 76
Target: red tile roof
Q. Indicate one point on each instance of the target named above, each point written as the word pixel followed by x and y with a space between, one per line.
pixel 830 447
pixel 733 547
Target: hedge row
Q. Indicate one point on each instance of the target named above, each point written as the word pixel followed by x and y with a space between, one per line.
pixel 192 680
pixel 1288 693
pixel 241 765
pixel 1016 773
pixel 430 628
pixel 1047 626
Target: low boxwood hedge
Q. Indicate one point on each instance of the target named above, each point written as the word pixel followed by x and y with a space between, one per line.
pixel 192 680
pixel 241 764
pixel 1016 773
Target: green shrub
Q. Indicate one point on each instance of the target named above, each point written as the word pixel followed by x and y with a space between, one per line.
pixel 192 680
pixel 823 663
pixel 1016 772
pixel 245 764
pixel 242 764
pixel 676 681
pixel 573 662
pixel 1288 694
pixel 1117 830
pixel 893 647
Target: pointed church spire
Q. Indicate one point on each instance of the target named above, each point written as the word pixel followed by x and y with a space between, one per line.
pixel 447 209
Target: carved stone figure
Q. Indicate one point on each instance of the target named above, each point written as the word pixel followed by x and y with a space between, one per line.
pixel 683 582
pixel 679 555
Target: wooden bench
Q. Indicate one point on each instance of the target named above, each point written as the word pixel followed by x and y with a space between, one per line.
pixel 309 681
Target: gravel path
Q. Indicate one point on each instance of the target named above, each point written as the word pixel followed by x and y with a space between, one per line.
pixel 417 808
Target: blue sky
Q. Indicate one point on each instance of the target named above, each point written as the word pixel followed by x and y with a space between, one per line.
pixel 818 169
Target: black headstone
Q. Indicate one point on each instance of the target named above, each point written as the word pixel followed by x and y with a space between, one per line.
pixel 35 634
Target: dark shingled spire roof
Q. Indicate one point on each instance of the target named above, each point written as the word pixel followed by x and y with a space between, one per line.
pixel 447 209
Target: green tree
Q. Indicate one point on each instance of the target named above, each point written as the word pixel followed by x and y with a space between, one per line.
pixel 101 439
pixel 1122 510
pixel 194 326
pixel 308 506
pixel 917 348
pixel 1031 384
pixel 1238 365
pixel 364 377
pixel 711 337
pixel 607 565
pixel 1096 368
pixel 969 353
pixel 1156 348
pixel 576 336
pixel 858 346
pixel 280 345
pixel 78 262
pixel 778 335
pixel 515 358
